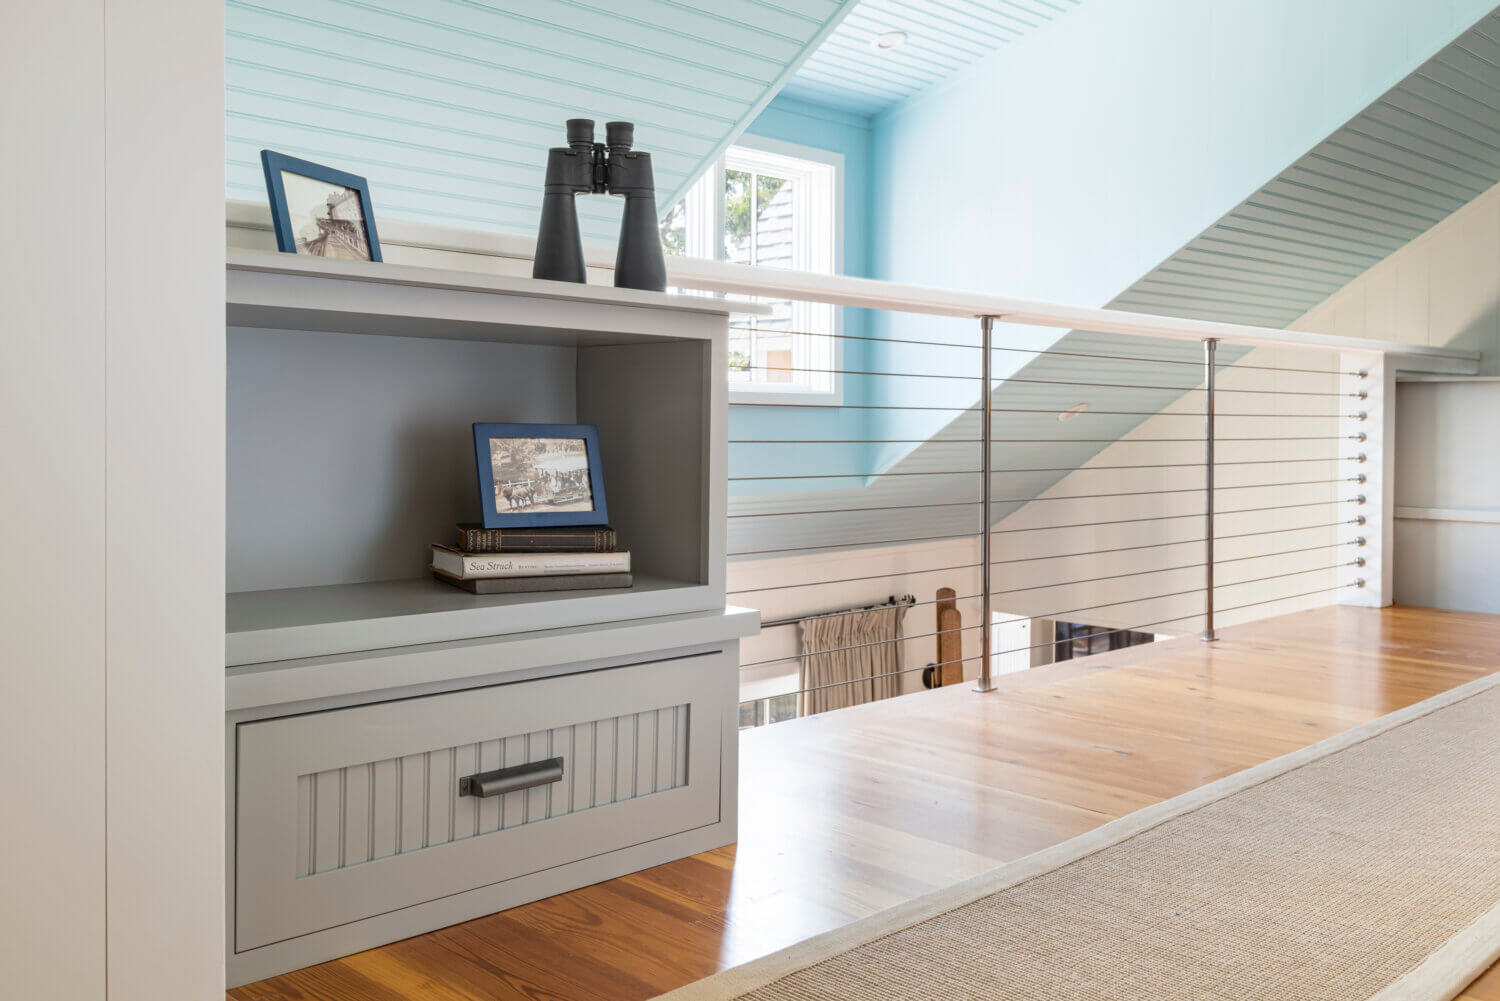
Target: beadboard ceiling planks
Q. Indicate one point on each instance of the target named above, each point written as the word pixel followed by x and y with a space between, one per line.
pixel 448 107
pixel 1415 155
pixel 942 37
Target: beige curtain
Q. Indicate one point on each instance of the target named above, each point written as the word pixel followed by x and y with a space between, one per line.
pixel 861 648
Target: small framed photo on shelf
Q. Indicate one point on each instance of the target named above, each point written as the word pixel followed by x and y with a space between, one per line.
pixel 319 210
pixel 531 475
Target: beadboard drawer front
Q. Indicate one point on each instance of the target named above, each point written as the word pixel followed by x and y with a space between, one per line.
pixel 350 813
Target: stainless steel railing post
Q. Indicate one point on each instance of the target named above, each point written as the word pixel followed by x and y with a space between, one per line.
pixel 1209 345
pixel 986 682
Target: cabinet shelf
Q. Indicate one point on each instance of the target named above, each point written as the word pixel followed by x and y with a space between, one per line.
pixel 288 292
pixel 287 623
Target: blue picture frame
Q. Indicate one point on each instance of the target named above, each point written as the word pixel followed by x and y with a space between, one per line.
pixel 273 163
pixel 489 500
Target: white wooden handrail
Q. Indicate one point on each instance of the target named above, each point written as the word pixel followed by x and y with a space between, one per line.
pixel 866 293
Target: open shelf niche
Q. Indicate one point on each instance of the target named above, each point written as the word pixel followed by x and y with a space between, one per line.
pixel 352 388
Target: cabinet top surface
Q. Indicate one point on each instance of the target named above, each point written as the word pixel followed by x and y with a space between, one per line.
pixel 309 267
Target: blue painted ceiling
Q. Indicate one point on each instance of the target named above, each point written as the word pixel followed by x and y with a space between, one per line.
pixel 1422 150
pixel 448 107
pixel 943 36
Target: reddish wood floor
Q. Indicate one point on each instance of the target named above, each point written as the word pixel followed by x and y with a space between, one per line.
pixel 847 813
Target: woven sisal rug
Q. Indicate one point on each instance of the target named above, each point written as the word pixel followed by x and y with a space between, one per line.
pixel 1364 867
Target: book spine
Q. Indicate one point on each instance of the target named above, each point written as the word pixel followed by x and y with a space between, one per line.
pixel 506 540
pixel 544 564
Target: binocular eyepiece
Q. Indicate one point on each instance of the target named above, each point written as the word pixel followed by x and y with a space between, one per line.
pixel 611 167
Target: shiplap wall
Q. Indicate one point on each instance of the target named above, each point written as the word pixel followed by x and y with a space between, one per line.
pixel 1243 465
pixel 448 107
pixel 1441 289
pixel 1032 575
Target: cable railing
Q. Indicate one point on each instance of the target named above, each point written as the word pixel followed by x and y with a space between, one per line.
pixel 970 477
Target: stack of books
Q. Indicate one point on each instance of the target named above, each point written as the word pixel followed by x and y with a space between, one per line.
pixel 508 561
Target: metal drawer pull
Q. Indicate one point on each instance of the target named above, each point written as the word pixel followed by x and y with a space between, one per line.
pixel 512 779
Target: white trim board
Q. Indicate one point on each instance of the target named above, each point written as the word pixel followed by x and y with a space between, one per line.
pixel 867 293
pixel 1472 515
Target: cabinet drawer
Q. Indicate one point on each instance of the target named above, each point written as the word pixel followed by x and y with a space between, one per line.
pixel 350 813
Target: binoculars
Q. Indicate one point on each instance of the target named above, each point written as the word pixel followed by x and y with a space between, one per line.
pixel 612 167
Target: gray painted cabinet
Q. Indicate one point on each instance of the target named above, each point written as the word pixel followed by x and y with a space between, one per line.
pixel 361 694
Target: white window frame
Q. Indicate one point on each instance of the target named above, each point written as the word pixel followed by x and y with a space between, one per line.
pixel 703 237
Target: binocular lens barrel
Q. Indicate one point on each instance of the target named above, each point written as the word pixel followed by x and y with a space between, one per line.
pixel 581 133
pixel 619 136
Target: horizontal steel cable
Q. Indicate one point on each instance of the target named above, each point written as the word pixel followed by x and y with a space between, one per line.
pixel 852 580
pixel 860 611
pixel 1009 379
pixel 1034 646
pixel 1183 542
pixel 1027 410
pixel 1033 469
pixel 1358 436
pixel 1032 500
pixel 1166 517
pixel 1288 597
pixel 1175 594
pixel 846 545
pixel 858 681
pixel 1182 566
pixel 860 646
pixel 1360 374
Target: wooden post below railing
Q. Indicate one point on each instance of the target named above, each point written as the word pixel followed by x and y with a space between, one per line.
pixel 950 640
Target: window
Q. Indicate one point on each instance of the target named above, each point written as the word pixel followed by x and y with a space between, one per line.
pixel 759 712
pixel 772 205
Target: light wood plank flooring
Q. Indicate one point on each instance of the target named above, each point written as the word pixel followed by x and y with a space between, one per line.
pixel 850 812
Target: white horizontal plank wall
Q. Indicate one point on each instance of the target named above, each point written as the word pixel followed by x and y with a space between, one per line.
pixel 52 281
pixel 111 386
pixel 1441 289
pixel 1171 600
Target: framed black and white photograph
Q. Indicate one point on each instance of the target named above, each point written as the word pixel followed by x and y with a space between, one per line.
pixel 319 210
pixel 532 475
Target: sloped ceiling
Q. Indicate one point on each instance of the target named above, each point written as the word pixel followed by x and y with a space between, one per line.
pixel 1415 155
pixel 448 107
pixel 1420 152
pixel 943 36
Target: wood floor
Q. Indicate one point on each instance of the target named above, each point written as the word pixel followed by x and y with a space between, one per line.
pixel 844 814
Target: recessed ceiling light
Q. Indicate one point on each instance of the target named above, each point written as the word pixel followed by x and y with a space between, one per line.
pixel 887 41
pixel 1072 412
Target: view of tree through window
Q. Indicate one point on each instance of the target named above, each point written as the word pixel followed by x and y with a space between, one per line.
pixel 767 209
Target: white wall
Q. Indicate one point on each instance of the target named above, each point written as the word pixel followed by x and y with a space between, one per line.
pixel 1136 601
pixel 111 393
pixel 1441 289
pixel 52 405
pixel 1448 495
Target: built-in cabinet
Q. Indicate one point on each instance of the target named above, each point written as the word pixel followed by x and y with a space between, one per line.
pixel 364 698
